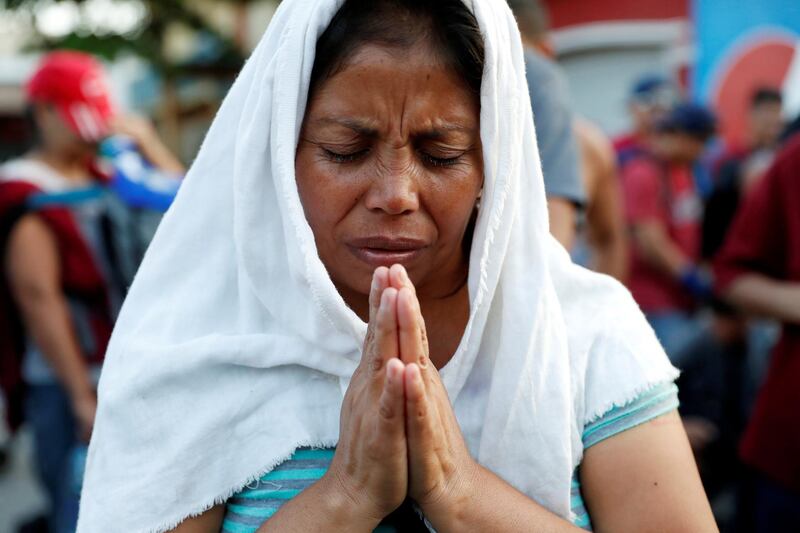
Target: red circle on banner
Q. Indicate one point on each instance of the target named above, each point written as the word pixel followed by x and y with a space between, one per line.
pixel 763 63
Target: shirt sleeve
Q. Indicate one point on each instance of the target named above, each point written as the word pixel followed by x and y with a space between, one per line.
pixel 757 239
pixel 552 117
pixel 653 403
pixel 642 192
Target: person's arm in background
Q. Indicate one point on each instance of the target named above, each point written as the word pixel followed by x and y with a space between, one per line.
pixel 557 146
pixel 657 248
pixel 767 297
pixel 563 219
pixel 33 270
pixel 751 266
pixel 604 212
pixel 646 219
pixel 149 143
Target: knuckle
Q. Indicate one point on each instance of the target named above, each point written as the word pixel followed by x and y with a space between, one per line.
pixel 376 363
pixel 386 411
pixel 369 338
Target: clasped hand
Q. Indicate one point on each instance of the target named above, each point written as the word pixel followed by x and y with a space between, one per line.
pixel 398 434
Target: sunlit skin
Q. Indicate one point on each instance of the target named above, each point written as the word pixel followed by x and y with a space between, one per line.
pixel 389 170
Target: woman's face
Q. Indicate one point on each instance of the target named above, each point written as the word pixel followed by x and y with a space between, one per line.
pixel 389 169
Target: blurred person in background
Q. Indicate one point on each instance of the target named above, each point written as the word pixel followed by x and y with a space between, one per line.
pixel 663 214
pixel 741 166
pixel 652 97
pixel 602 242
pixel 732 354
pixel 553 118
pixel 765 127
pixel 758 271
pixel 67 259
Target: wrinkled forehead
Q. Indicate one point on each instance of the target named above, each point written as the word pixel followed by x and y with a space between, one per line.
pixel 445 33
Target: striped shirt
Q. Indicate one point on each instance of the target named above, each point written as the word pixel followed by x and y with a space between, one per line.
pixel 259 500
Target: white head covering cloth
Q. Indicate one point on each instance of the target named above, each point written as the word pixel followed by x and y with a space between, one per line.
pixel 234 347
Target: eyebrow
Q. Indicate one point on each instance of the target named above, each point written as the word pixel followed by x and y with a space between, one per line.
pixel 367 129
pixel 359 126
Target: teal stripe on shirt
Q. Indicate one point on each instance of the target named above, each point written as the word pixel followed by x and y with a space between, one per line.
pixel 651 404
pixel 252 506
pixel 657 401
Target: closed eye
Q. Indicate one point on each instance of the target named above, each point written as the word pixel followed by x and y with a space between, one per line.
pixel 349 157
pixel 439 161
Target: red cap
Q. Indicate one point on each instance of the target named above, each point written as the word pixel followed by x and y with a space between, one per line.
pixel 74 82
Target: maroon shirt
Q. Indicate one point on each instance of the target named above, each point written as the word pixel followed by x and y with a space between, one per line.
pixel 765 239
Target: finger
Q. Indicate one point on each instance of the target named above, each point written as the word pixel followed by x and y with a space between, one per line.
pixel 392 401
pixel 413 343
pixel 398 278
pixel 385 344
pixel 380 280
pixel 418 409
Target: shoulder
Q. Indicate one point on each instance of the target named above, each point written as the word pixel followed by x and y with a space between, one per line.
pixel 31 257
pixel 14 193
pixel 787 163
pixel 594 142
pixel 30 233
pixel 624 141
pixel 641 171
pixel 642 165
pixel 545 80
pixel 614 353
pixel 775 194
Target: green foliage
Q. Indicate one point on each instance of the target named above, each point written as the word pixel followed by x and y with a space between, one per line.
pixel 147 40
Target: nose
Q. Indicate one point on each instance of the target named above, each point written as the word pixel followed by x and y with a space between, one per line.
pixel 393 191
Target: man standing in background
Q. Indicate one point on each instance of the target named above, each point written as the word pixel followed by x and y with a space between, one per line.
pixel 602 242
pixel 66 263
pixel 652 97
pixel 553 119
pixel 758 271
pixel 663 213
pixel 741 167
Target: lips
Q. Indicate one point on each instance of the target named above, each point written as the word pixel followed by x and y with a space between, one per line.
pixel 385 251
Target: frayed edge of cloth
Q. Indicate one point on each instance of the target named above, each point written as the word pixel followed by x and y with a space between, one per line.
pixel 631 395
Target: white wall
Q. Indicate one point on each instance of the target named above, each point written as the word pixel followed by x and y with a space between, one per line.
pixel 602 61
pixel 600 81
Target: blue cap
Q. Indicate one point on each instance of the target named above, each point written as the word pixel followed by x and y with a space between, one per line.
pixel 653 89
pixel 649 83
pixel 694 119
